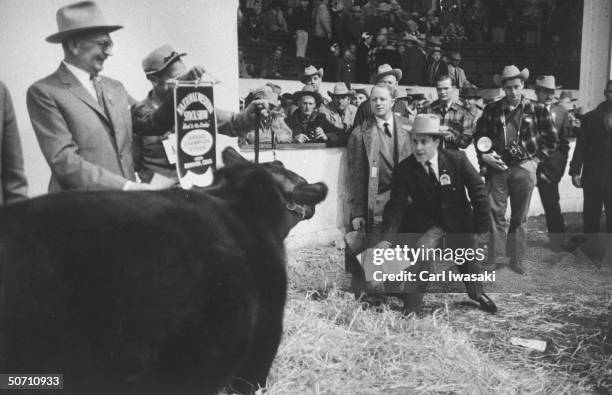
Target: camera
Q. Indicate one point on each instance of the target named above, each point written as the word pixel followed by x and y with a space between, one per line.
pixel 514 153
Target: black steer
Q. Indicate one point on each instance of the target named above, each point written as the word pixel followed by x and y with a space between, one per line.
pixel 152 292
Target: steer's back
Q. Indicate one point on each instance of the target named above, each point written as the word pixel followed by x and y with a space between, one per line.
pixel 112 287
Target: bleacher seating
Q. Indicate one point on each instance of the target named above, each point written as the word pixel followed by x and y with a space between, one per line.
pixel 480 60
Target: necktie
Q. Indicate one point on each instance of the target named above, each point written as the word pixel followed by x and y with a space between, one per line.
pixel 432 174
pixel 99 93
pixel 395 144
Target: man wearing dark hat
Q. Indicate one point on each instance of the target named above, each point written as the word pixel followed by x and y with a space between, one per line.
pixel 83 120
pixel 428 198
pixel 510 136
pixel 551 168
pixel 453 115
pixel 307 124
pixel 591 169
pixel 343 112
pixel 457 73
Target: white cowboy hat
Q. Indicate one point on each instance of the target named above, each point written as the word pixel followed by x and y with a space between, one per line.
pixel 309 71
pixel 510 72
pixel 547 82
pixel 79 18
pixel 340 89
pixel 385 70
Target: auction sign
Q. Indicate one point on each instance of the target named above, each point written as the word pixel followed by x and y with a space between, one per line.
pixel 196 133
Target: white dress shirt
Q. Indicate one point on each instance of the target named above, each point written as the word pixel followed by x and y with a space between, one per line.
pixel 83 78
pixel 381 123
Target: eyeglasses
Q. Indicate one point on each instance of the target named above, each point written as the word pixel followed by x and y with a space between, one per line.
pixel 104 45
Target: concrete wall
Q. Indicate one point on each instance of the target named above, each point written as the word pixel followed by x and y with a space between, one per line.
pixel 206 30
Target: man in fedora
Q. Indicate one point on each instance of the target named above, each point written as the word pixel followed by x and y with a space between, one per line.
pixel 591 170
pixel 412 100
pixel 509 136
pixel 375 147
pixel 307 123
pixel 452 114
pixel 457 73
pixel 83 121
pixel 343 112
pixel 551 168
pixel 390 77
pixel 429 199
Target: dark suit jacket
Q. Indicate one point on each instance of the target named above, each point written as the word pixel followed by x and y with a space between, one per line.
pixel 84 148
pixel 13 184
pixel 592 155
pixel 412 209
pixel 554 166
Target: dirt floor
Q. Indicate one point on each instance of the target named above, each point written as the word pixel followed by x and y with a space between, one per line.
pixel 563 299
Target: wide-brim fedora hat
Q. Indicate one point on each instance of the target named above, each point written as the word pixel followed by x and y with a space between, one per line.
pixel 340 90
pixel 509 73
pixel 547 82
pixel 567 95
pixel 159 59
pixel 309 71
pixel 385 70
pixel 307 90
pixel 427 124
pixel 79 18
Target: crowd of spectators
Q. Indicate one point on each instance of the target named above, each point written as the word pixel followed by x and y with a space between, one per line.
pixel 357 36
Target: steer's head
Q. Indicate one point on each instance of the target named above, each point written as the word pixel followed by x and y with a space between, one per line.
pixel 297 196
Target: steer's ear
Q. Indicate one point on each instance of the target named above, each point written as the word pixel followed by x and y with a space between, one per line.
pixel 231 157
pixel 309 193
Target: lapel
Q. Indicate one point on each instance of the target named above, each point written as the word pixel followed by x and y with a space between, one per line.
pixel 401 128
pixel 422 177
pixel 77 89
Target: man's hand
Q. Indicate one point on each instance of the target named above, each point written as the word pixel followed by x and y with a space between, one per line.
pixel 193 74
pixel 494 160
pixel 577 181
pixel 301 138
pixel 358 223
pixel 320 134
pixel 256 110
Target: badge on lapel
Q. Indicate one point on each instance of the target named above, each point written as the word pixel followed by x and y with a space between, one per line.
pixel 445 179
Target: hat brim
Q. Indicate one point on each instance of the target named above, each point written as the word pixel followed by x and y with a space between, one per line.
pixel 304 77
pixel 440 133
pixel 396 72
pixel 499 79
pixel 58 37
pixel 167 63
pixel 349 93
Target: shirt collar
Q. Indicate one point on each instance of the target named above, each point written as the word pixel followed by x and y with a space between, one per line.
pixel 80 74
pixel 380 123
pixel 434 164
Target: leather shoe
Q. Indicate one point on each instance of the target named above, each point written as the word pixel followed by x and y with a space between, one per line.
pixel 486 303
pixel 517 267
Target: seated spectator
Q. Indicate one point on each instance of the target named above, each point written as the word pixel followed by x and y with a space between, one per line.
pixel 473 101
pixel 360 96
pixel 274 124
pixel 307 124
pixel 333 62
pixel 287 104
pixel 457 73
pixel 412 101
pixel 245 70
pixel 347 67
pixel 270 66
pixel 253 29
pixel 343 112
pixel 435 67
pixel 274 20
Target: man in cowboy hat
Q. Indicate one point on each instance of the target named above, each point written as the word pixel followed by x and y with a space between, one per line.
pixel 411 98
pixel 428 198
pixel 457 73
pixel 551 168
pixel 343 112
pixel 591 170
pixel 375 147
pixel 83 121
pixel 389 76
pixel 508 139
pixel 275 114
pixel 452 114
pixel 308 124
pixel 313 77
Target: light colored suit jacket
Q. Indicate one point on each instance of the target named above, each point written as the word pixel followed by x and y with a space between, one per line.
pixel 363 162
pixel 13 184
pixel 84 148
